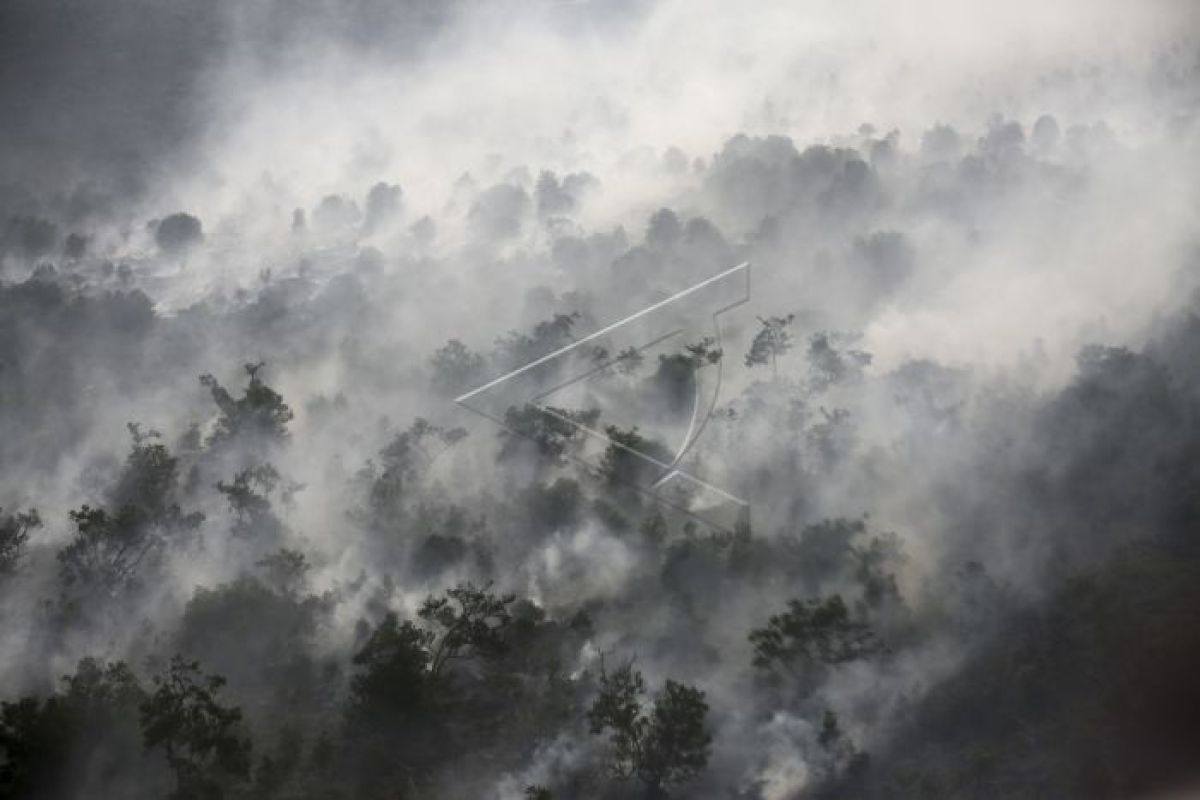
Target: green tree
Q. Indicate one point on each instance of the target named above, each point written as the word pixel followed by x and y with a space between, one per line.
pixel 664 748
pixel 203 741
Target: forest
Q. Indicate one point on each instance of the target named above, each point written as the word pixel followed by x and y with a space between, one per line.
pixel 936 536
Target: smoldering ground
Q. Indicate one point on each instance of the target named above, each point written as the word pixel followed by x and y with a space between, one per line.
pixel 961 402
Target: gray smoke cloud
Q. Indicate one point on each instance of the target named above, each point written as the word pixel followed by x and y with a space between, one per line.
pixel 977 224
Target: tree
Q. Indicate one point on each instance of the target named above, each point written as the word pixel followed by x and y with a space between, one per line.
pixel 675 377
pixel 629 361
pixel 553 507
pixel 204 745
pixel 663 230
pixel 663 749
pixel 259 413
pixel 402 663
pixel 704 352
pixel 772 341
pixel 813 634
pixel 249 500
pixel 395 726
pixel 406 461
pixel 872 561
pixel 823 551
pixel 406 715
pixel 517 349
pixel 841 756
pixel 626 459
pixel 106 551
pixel 110 545
pixel 148 487
pixel 829 363
pixel 471 621
pixel 47 745
pixel 14 534
pixel 383 206
pixel 285 571
pixel 455 367
pixel 394 664
pixel 554 432
pixel 654 528
pixel 177 233
pixel 260 638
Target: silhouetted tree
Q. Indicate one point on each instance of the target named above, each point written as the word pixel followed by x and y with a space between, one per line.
pixel 469 622
pixel 405 462
pixel 106 550
pixel 518 349
pixel 455 367
pixel 75 740
pixel 664 748
pixel 770 342
pixel 383 206
pixel 202 739
pixel 555 433
pixel 830 362
pixel 840 753
pixel 625 460
pixel 178 232
pixel 675 377
pixel 663 230
pixel 110 545
pixel 811 634
pixel 249 501
pixel 14 534
pixel 284 570
pixel 259 413
pixel 394 670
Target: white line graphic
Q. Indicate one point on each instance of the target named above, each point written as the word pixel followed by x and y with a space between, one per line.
pixel 700 413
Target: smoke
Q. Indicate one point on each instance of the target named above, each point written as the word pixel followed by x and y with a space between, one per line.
pixel 949 202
